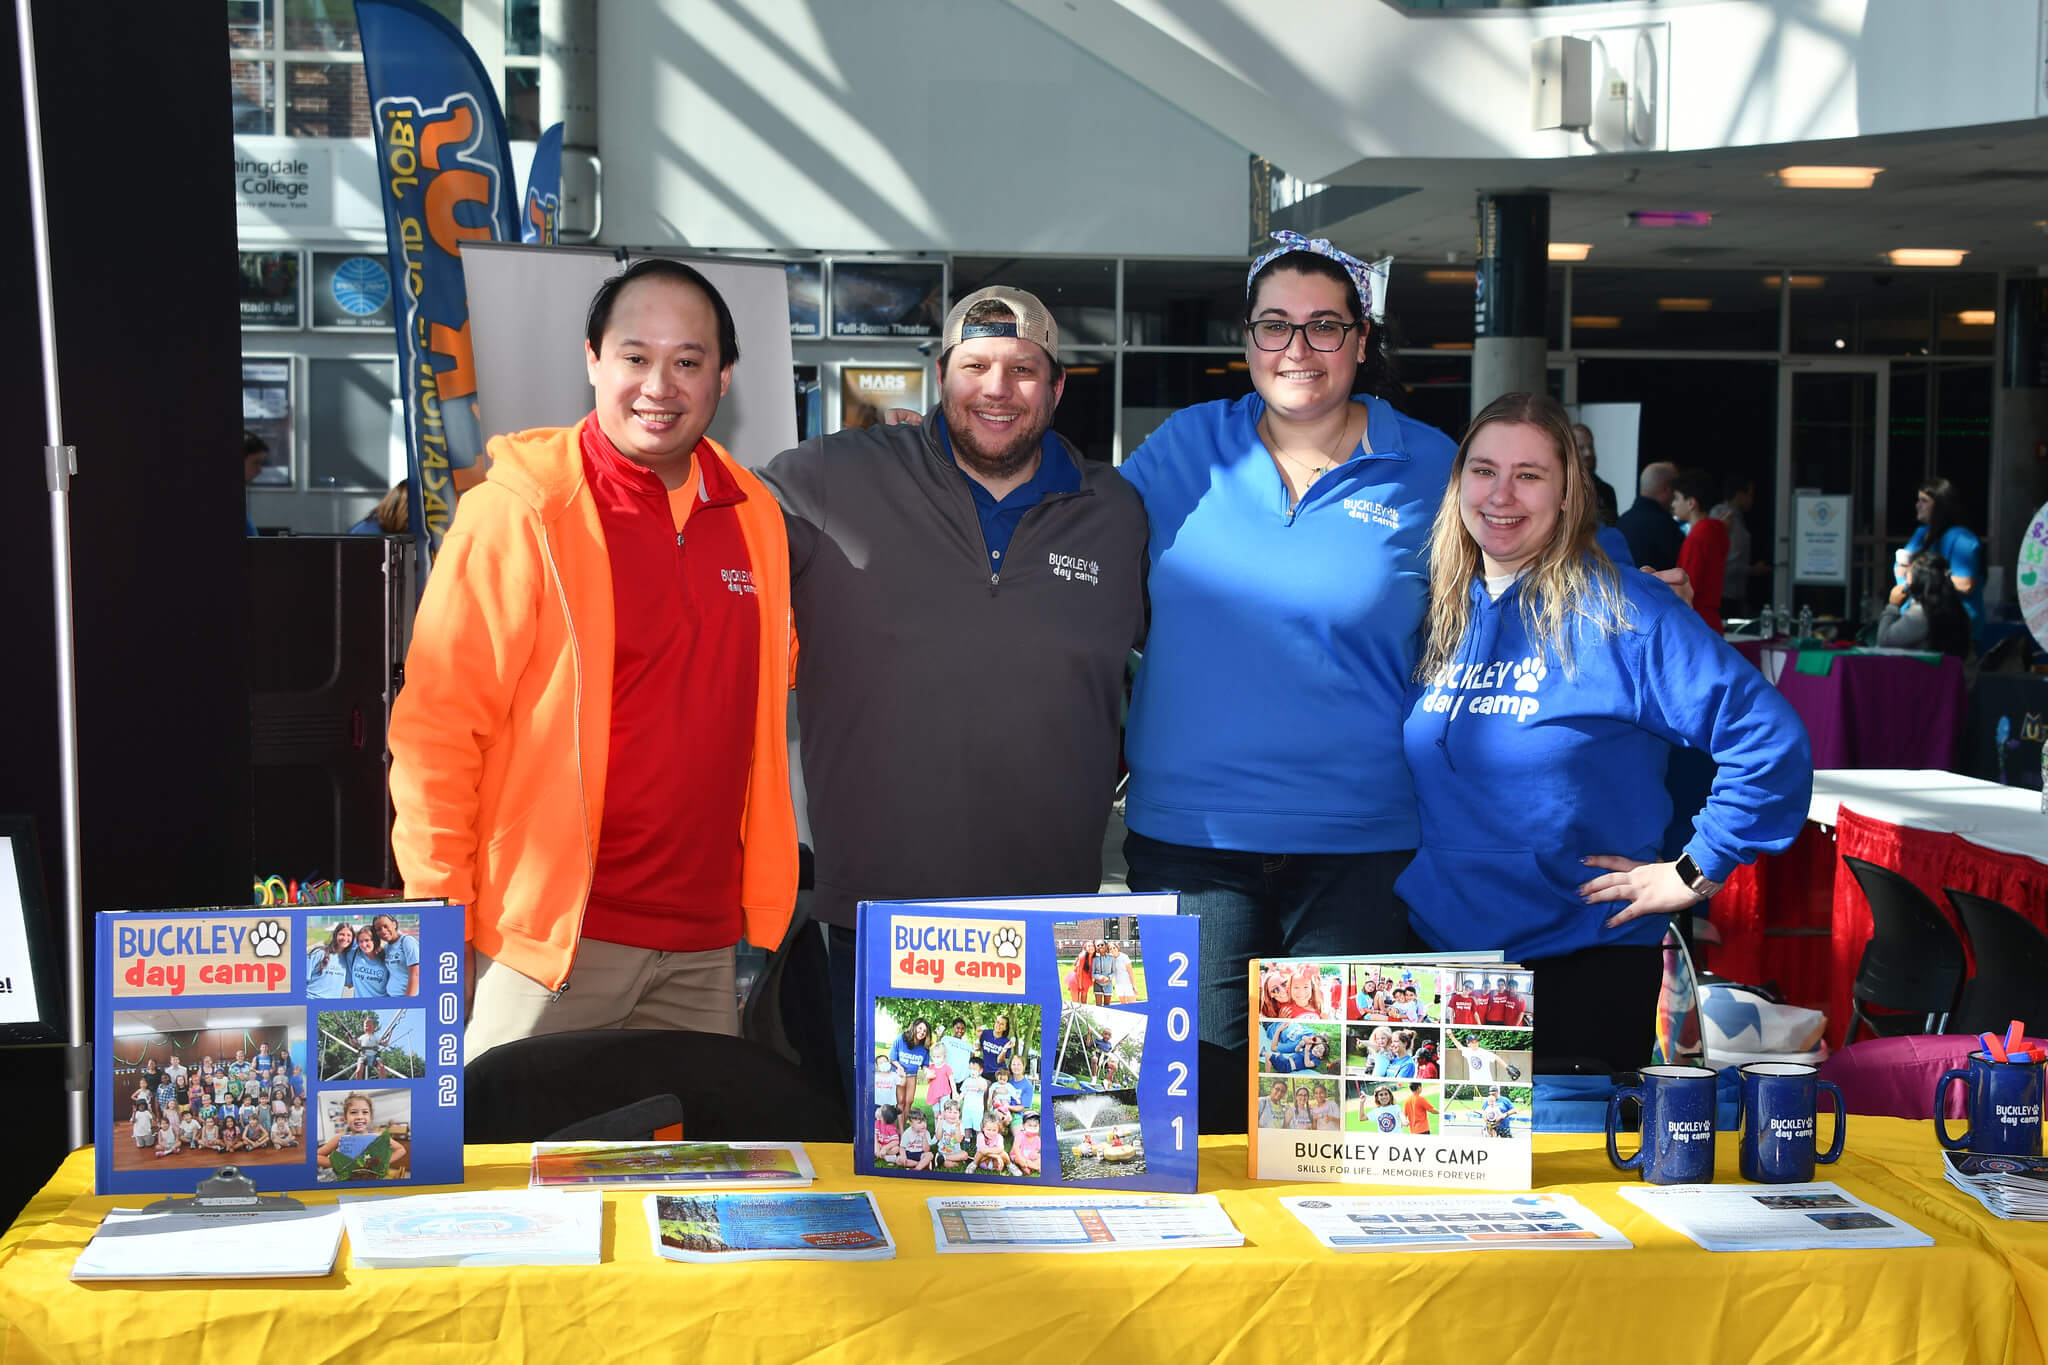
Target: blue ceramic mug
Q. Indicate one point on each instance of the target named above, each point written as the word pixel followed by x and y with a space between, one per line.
pixel 1779 1119
pixel 2003 1102
pixel 1677 1105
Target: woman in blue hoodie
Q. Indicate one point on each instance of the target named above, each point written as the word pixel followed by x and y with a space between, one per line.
pixel 1552 692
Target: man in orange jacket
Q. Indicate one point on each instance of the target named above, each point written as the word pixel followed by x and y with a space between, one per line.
pixel 590 748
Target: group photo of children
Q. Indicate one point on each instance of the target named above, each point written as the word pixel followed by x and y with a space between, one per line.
pixel 1497 1000
pixel 1489 1110
pixel 1101 961
pixel 1292 1046
pixel 1394 1051
pixel 1099 1049
pixel 372 1045
pixel 1301 990
pixel 957 1086
pixel 205 1088
pixel 1099 1136
pixel 361 956
pixel 1393 995
pixel 1300 1103
pixel 364 1135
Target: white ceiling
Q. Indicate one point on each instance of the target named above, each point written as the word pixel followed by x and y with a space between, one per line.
pixel 1980 189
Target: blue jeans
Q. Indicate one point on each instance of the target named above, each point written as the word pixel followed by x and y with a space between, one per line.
pixel 1271 905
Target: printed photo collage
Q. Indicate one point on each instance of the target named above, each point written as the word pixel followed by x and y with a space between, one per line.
pixel 330 1082
pixel 991 1089
pixel 1387 1048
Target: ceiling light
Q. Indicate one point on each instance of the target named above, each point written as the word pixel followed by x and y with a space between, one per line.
pixel 1447 276
pixel 1926 255
pixel 1569 251
pixel 1595 323
pixel 1450 345
pixel 1237 365
pixel 1684 305
pixel 1670 218
pixel 240 1021
pixel 1977 317
pixel 1795 281
pixel 1084 369
pixel 1215 369
pixel 1829 177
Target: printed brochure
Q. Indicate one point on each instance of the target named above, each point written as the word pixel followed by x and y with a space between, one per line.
pixel 306 1045
pixel 1453 1222
pixel 807 1226
pixel 1041 1040
pixel 1392 1070
pixel 1040 1223
pixel 1817 1216
pixel 475 1227
pixel 665 1165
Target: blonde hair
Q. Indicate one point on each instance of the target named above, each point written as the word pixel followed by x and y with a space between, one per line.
pixel 1570 579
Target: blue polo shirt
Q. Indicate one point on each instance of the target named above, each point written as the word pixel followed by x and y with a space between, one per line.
pixel 999 517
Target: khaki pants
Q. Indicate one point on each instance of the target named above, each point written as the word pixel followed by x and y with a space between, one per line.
pixel 611 986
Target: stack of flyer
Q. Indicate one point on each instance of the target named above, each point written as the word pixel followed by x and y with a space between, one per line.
pixel 131 1245
pixel 1393 1070
pixel 475 1228
pixel 669 1165
pixel 1816 1216
pixel 1040 1040
pixel 744 1226
pixel 2009 1186
pixel 1454 1222
pixel 1082 1222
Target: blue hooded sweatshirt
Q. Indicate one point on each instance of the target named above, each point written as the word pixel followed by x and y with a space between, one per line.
pixel 1520 771
pixel 1267 715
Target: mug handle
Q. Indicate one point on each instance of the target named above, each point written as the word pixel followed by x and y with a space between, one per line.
pixel 1627 1092
pixel 1841 1122
pixel 1941 1120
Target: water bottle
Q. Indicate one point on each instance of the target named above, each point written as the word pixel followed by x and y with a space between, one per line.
pixel 1806 623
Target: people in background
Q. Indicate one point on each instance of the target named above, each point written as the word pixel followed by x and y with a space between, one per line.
pixel 391 516
pixel 1938 510
pixel 1610 506
pixel 255 450
pixel 1733 512
pixel 1554 688
pixel 591 750
pixel 1654 539
pixel 1704 555
pixel 1926 611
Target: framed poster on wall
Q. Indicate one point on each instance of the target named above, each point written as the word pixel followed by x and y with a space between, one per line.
pixel 806 298
pixel 270 291
pixel 865 391
pixel 888 300
pixel 351 291
pixel 1820 538
pixel 268 400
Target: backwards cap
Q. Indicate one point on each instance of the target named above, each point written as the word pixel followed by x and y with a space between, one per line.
pixel 1033 320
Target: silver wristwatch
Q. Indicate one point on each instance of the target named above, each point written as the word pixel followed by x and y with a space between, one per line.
pixel 1696 881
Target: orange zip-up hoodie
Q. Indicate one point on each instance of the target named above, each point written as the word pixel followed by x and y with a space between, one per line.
pixel 499 739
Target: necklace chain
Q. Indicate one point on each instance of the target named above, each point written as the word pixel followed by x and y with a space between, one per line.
pixel 1330 456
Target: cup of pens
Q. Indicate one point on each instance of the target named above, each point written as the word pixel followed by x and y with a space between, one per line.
pixel 2002 1086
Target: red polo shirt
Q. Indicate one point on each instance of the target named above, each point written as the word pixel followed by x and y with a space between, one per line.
pixel 684 677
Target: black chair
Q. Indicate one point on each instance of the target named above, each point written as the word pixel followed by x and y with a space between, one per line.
pixel 789 1010
pixel 2011 980
pixel 641 1121
pixel 1223 1074
pixel 1913 965
pixel 730 1089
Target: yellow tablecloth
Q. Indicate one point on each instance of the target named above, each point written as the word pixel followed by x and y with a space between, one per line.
pixel 1976 1295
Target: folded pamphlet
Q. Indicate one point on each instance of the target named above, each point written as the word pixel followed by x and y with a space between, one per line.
pixel 745 1226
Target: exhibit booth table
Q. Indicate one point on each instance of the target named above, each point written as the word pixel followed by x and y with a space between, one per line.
pixel 1800 919
pixel 1977 1294
pixel 1871 708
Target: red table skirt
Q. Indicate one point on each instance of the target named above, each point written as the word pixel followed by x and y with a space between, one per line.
pixel 1807 888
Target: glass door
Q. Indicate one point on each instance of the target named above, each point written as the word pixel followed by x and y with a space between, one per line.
pixel 1832 419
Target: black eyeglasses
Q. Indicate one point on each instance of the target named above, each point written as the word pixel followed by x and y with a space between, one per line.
pixel 1271 334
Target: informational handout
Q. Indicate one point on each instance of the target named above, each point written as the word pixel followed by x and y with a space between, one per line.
pixel 745 1226
pixel 476 1227
pixel 1453 1222
pixel 1810 1217
pixel 1101 1223
pixel 132 1245
pixel 665 1165
pixel 2009 1186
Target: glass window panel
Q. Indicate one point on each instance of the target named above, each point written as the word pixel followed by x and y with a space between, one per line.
pixel 522 28
pixel 1674 310
pixel 249 23
pixel 321 26
pixel 1437 389
pixel 1081 294
pixel 1430 305
pixel 1183 303
pixel 348 443
pixel 1867 312
pixel 1906 457
pixel 1962 438
pixel 326 99
pixel 522 103
pixel 251 88
pixel 1965 308
pixel 1553 307
pixel 1158 385
pixel 1087 410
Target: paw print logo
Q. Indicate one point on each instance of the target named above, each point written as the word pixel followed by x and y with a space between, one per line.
pixel 1008 942
pixel 1529 673
pixel 269 937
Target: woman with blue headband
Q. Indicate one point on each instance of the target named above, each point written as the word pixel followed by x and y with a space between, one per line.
pixel 1289 580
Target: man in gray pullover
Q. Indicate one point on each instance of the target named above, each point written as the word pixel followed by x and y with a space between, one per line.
pixel 966 593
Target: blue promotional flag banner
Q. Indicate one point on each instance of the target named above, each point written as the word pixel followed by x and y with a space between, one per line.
pixel 310 1046
pixel 1037 1040
pixel 446 170
pixel 540 219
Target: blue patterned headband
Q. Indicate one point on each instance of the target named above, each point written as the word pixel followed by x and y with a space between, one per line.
pixel 1370 279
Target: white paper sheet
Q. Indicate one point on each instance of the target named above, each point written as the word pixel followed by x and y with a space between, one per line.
pixel 1453 1222
pixel 1811 1217
pixel 132 1245
pixel 1081 1222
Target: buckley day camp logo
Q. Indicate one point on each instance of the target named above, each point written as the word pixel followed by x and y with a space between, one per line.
pixel 179 956
pixel 1505 687
pixel 1074 568
pixel 1377 513
pixel 930 952
pixel 443 192
pixel 737 580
